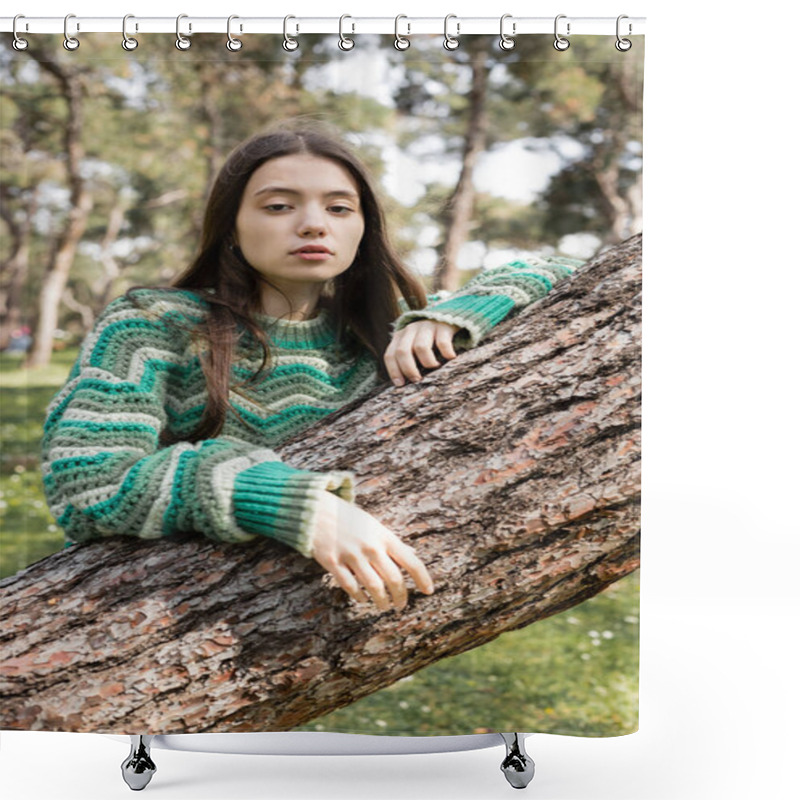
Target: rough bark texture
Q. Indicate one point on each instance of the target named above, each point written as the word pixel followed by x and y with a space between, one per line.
pixel 514 469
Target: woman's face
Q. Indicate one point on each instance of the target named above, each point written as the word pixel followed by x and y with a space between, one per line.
pixel 300 220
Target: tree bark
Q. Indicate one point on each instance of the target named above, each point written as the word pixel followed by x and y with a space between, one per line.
pixel 513 469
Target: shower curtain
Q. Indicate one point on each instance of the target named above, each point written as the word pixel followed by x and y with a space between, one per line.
pixel 510 179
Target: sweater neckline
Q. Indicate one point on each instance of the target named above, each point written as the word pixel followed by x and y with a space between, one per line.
pixel 300 333
pixel 316 331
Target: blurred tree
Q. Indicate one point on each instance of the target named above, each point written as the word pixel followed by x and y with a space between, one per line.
pixel 18 204
pixel 68 81
pixel 108 156
pixel 590 94
pixel 583 105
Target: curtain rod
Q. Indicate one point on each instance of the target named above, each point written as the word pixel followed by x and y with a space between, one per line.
pixel 293 25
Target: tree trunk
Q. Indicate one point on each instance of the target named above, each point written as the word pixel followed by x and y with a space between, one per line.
pixel 81 202
pixel 622 208
pixel 14 271
pixel 458 212
pixel 210 80
pixel 111 269
pixel 513 469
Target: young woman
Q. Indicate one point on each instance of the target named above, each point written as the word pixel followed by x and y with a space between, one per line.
pixel 297 295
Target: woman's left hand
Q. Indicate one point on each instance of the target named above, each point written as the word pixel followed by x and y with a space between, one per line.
pixel 415 342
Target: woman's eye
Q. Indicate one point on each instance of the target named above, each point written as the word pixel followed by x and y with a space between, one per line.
pixel 341 209
pixel 276 207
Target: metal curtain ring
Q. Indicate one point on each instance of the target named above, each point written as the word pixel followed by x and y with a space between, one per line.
pixel 70 42
pixel 233 44
pixel 182 43
pixel 451 42
pixel 400 42
pixel 506 42
pixel 560 43
pixel 19 43
pixel 128 42
pixel 623 45
pixel 345 43
pixel 289 43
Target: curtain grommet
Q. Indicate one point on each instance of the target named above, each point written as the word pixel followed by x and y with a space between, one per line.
pixel 18 43
pixel 401 42
pixel 290 44
pixel 71 43
pixel 128 42
pixel 623 45
pixel 233 44
pixel 181 42
pixel 507 42
pixel 345 42
pixel 451 42
pixel 560 43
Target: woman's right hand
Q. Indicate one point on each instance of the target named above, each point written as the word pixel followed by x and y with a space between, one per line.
pixel 364 557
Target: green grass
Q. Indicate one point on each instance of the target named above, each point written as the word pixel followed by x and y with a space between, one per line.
pixel 27 529
pixel 574 673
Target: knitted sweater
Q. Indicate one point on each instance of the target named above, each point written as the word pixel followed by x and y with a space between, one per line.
pixel 105 472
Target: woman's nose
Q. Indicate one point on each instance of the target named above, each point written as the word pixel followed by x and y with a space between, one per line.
pixel 312 222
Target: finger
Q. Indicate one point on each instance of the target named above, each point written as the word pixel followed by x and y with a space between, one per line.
pixel 393 579
pixel 414 343
pixel 347 582
pixel 406 362
pixel 423 344
pixel 395 373
pixel 444 339
pixel 372 583
pixel 407 558
pixel 392 367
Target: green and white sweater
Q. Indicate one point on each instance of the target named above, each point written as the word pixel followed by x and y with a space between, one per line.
pixel 103 468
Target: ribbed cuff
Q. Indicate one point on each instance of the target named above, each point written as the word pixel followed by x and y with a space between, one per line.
pixel 272 499
pixel 476 314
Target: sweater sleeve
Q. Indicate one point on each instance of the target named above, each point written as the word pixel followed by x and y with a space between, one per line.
pixel 104 472
pixel 491 296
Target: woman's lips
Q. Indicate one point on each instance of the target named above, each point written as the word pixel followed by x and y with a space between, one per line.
pixel 312 255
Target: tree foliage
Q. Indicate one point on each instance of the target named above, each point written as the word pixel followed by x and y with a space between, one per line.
pixel 157 124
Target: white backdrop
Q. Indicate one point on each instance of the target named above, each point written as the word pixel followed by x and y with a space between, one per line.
pixel 720 605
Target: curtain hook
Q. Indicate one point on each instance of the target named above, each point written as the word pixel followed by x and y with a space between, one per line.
pixel 289 43
pixel 346 43
pixel 451 42
pixel 400 42
pixel 19 43
pixel 128 42
pixel 560 43
pixel 182 43
pixel 70 42
pixel 623 45
pixel 233 44
pixel 506 41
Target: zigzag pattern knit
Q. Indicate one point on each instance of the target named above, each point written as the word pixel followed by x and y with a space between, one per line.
pixel 103 469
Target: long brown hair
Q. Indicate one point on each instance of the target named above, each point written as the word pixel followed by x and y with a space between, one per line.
pixel 363 299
